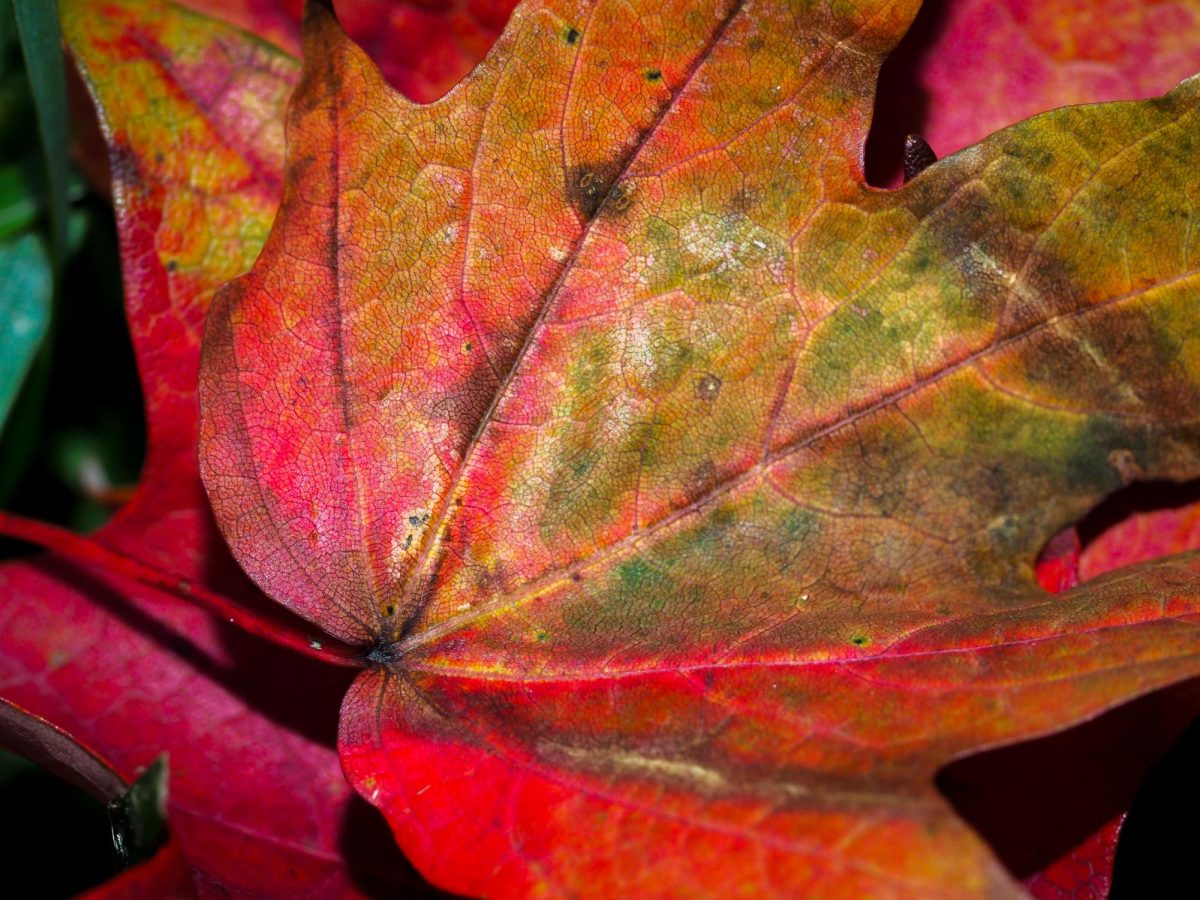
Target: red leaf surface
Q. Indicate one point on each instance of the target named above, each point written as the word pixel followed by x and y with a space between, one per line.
pixel 423 47
pixel 970 67
pixel 999 61
pixel 464 410
pixel 258 802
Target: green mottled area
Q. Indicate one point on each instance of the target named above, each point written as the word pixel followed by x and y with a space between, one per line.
pixel 1010 455
pixel 673 592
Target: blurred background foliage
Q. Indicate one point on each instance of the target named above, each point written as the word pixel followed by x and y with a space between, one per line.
pixel 72 427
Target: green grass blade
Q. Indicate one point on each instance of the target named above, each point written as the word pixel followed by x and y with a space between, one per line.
pixel 41 44
pixel 6 32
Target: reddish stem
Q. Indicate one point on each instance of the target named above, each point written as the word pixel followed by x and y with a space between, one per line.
pixel 89 552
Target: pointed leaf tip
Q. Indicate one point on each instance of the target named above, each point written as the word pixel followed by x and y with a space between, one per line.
pixel 318 25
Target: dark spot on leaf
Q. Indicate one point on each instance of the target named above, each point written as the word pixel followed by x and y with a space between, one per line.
pixel 701 481
pixel 620 199
pixel 1126 466
pixel 572 36
pixel 541 635
pixel 172 265
pixel 382 654
pixel 588 186
pixel 860 640
pixel 418 519
pixel 708 387
pixel 390 610
pixel 654 75
pixel 576 577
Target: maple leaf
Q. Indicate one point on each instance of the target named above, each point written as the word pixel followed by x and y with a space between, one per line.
pixel 688 490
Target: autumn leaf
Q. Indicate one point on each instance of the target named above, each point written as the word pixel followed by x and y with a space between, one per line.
pixel 686 489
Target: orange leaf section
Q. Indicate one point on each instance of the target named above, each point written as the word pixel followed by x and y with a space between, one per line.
pixel 688 490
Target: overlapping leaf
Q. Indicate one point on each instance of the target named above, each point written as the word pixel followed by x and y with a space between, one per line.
pixel 688 489
pixel 423 47
pixel 1053 54
pixel 193 114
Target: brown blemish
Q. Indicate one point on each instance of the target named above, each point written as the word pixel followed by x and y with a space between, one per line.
pixel 1125 464
pixel 586 189
pixel 590 188
pixel 708 387
pixel 701 482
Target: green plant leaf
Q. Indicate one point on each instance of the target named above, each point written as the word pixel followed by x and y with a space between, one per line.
pixel 6 31
pixel 139 816
pixel 41 43
pixel 25 291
